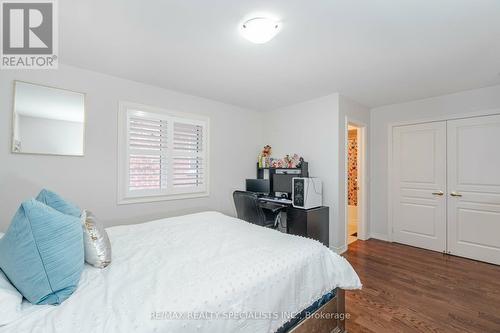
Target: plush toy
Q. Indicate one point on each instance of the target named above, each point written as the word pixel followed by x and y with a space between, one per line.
pixel 278 163
pixel 265 157
pixel 289 161
pixel 266 152
pixel 296 161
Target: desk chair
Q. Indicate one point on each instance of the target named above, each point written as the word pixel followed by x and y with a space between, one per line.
pixel 249 208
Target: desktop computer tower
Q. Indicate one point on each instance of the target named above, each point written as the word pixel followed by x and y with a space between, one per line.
pixel 307 192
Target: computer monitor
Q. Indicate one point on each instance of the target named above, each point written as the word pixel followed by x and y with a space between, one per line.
pixel 261 186
pixel 283 183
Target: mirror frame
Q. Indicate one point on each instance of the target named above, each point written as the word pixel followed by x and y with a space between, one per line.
pixel 14 119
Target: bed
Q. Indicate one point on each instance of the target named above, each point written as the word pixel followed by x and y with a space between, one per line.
pixel 204 272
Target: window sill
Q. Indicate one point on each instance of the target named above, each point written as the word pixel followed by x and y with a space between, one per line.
pixel 148 199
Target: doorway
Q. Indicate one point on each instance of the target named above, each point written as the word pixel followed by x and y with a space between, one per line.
pixel 352 183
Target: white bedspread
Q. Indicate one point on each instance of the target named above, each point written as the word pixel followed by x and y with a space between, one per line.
pixel 195 267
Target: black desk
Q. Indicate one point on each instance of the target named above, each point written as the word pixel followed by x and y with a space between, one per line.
pixel 272 205
pixel 312 223
pixel 275 200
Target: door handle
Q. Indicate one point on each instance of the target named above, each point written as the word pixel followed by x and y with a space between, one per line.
pixel 455 194
pixel 438 193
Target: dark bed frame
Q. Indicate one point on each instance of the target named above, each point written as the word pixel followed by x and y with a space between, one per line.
pixel 329 318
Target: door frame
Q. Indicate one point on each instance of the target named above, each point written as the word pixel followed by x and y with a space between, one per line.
pixel 362 178
pixel 390 127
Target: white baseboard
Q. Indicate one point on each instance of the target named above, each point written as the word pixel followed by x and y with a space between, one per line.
pixel 343 248
pixel 339 250
pixel 383 237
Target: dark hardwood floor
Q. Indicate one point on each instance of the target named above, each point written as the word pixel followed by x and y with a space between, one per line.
pixel 406 289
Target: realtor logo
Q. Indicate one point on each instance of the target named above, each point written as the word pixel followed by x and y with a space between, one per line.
pixel 29 34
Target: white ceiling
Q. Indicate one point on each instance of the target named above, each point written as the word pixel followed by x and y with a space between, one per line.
pixel 375 52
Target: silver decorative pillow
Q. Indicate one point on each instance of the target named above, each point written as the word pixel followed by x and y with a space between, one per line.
pixel 96 241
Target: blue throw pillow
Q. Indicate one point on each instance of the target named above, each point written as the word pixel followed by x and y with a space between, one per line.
pixel 55 201
pixel 42 253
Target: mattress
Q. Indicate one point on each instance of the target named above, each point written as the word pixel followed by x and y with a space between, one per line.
pixel 204 272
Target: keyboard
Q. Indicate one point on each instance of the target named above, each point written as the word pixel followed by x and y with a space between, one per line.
pixel 276 199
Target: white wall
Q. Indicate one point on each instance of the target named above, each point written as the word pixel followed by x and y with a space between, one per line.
pixel 91 181
pixel 50 135
pixel 317 130
pixel 310 129
pixel 478 101
pixel 350 110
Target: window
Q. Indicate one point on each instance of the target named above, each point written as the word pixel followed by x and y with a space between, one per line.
pixel 162 154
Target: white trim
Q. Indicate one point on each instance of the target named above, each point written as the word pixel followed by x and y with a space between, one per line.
pixel 122 197
pixel 390 126
pixel 389 183
pixel 177 196
pixel 362 177
pixel 339 250
pixel 383 237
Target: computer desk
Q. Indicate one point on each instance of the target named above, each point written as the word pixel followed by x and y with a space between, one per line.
pixel 277 200
pixel 312 223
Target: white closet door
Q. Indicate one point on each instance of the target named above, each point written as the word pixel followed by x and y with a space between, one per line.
pixel 474 188
pixel 419 182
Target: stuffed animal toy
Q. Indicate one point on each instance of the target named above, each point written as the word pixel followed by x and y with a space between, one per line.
pixel 289 161
pixel 265 157
pixel 266 152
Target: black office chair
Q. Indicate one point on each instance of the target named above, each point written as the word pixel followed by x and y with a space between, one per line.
pixel 249 209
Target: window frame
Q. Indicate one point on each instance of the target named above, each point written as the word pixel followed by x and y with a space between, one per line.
pixel 124 195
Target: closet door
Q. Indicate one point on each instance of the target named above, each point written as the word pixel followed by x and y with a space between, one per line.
pixel 419 182
pixel 474 188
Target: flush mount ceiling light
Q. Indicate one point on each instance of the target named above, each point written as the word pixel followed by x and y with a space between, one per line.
pixel 260 30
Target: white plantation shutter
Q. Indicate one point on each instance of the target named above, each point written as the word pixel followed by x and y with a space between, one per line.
pixel 165 155
pixel 147 146
pixel 188 160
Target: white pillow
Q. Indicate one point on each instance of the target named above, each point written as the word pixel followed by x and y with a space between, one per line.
pixel 10 300
pixel 95 240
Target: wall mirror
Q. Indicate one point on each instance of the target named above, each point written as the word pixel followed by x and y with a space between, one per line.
pixel 48 120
